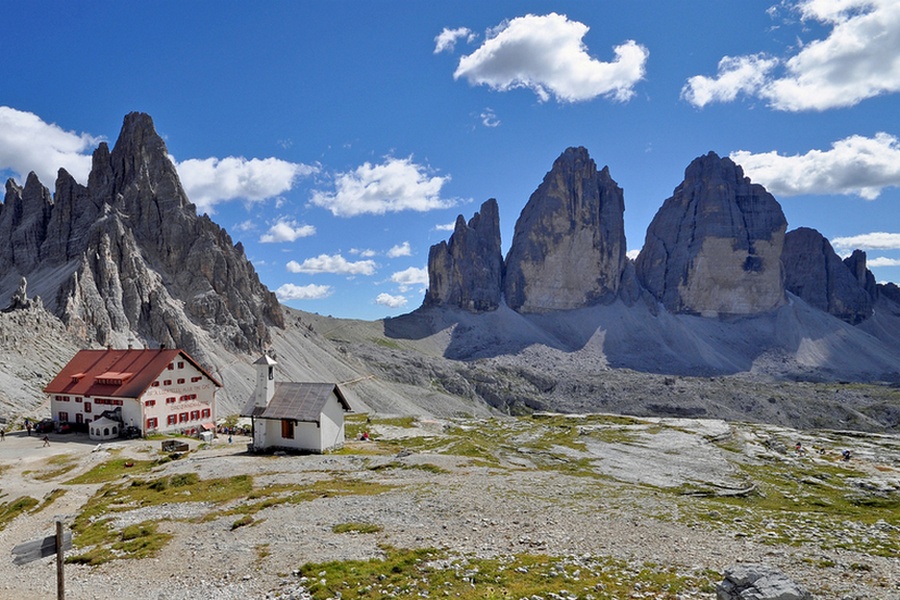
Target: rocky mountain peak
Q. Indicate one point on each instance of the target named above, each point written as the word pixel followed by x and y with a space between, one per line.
pixel 815 273
pixel 467 270
pixel 714 248
pixel 568 249
pixel 127 258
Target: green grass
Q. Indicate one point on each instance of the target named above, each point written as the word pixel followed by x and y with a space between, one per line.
pixel 806 502
pixel 114 469
pixel 355 527
pixel 416 573
pixel 59 464
pixel 135 542
pixel 11 510
pixel 50 498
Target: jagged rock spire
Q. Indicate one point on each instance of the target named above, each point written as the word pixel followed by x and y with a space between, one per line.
pixel 466 272
pixel 815 273
pixel 127 256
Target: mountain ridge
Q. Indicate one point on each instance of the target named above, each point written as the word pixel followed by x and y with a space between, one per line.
pixel 602 336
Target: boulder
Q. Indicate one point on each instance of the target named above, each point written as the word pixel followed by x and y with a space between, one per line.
pixel 466 272
pixel 815 273
pixel 568 249
pixel 714 247
pixel 759 582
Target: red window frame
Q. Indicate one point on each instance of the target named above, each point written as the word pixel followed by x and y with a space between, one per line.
pixel 152 423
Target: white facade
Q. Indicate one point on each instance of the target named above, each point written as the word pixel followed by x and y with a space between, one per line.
pixel 326 435
pixel 180 399
pixel 319 432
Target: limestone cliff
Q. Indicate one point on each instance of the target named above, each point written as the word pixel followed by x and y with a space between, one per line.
pixel 466 271
pixel 127 258
pixel 814 272
pixel 568 248
pixel 714 248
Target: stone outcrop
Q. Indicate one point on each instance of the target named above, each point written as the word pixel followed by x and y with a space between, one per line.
pixel 467 270
pixel 714 248
pixel 815 273
pixel 568 249
pixel 856 262
pixel 759 582
pixel 127 257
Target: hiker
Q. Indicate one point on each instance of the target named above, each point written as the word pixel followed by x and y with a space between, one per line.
pixel 845 455
pixel 2 435
pixel 28 426
pixel 46 440
pixel 799 449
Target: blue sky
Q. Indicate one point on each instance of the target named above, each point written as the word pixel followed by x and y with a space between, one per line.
pixel 339 140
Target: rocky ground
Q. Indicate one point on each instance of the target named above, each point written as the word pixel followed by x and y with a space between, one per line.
pixel 685 496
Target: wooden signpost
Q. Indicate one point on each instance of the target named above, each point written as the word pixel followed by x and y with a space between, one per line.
pixel 50 545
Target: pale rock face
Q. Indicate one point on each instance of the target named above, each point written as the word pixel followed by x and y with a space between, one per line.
pixel 127 257
pixel 467 271
pixel 568 250
pixel 714 248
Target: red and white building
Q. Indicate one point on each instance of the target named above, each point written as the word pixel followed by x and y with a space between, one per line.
pixel 157 390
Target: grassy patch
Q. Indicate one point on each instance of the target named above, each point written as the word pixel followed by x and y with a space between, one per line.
pixel 11 510
pixel 59 465
pixel 242 522
pixel 50 498
pixel 356 528
pixel 806 501
pixel 114 469
pixel 135 541
pixel 386 343
pixel 435 573
pixel 102 543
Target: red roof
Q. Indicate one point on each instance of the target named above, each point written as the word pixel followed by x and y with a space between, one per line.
pixel 116 373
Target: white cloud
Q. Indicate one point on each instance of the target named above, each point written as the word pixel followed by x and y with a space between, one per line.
pixel 289 291
pixel 858 59
pixel 336 263
pixel 400 250
pixel 446 227
pixel 633 254
pixel 245 226
pixel 741 74
pixel 365 253
pixel 210 181
pixel 489 118
pixel 878 240
pixel 410 277
pixel 396 185
pixel 446 39
pixel 882 261
pixel 286 230
pixel 27 143
pixel 390 301
pixel 546 55
pixel 854 165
